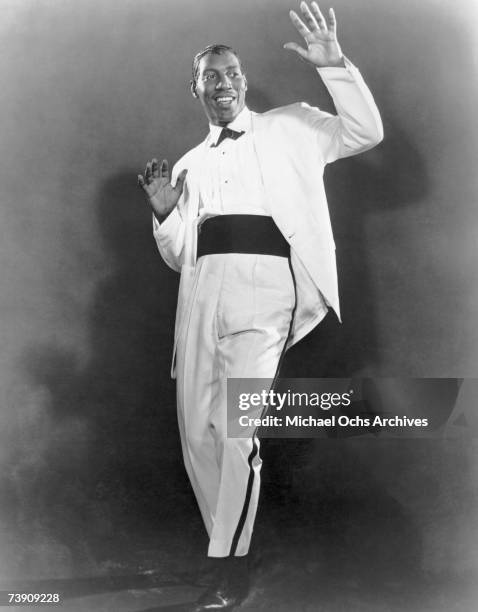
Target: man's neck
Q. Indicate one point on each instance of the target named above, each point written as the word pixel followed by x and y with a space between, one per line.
pixel 223 124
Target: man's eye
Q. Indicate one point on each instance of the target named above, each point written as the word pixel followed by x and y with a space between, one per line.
pixel 209 77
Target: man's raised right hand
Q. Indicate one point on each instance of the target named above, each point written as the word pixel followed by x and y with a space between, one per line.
pixel 156 183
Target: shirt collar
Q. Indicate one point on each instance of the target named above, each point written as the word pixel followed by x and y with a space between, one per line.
pixel 242 123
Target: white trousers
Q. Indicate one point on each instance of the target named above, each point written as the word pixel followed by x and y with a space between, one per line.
pixel 236 326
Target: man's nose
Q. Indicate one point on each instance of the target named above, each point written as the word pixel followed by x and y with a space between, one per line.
pixel 223 82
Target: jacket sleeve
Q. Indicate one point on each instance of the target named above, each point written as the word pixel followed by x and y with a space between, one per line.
pixel 357 126
pixel 170 234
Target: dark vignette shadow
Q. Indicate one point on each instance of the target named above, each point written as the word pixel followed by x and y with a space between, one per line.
pixel 101 491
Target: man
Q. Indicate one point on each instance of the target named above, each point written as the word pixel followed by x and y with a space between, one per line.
pixel 245 221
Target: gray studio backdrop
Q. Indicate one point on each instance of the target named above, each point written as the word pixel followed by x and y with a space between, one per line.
pixel 92 89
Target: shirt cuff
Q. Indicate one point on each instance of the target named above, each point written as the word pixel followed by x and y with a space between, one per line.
pixel 168 226
pixel 332 71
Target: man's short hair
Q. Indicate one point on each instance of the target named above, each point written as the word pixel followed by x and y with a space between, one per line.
pixel 215 48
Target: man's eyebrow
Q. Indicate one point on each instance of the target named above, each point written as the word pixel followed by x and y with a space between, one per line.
pixel 233 66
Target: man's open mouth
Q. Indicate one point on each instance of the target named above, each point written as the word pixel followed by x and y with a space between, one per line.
pixel 224 100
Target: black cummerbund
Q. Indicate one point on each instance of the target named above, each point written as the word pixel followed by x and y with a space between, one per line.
pixel 241 234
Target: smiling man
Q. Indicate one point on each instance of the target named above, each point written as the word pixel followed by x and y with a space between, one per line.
pixel 244 218
pixel 222 85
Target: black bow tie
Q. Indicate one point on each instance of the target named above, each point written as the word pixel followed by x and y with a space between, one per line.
pixel 227 133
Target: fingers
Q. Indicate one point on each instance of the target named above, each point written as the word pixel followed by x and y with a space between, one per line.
pixel 148 173
pixel 292 46
pixel 144 184
pixel 154 168
pixel 164 169
pixel 314 19
pixel 299 24
pixel 318 15
pixel 153 171
pixel 308 17
pixel 332 23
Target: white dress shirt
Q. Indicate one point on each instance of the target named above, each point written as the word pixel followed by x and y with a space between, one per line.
pixel 231 182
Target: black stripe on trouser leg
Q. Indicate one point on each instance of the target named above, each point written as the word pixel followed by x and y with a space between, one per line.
pixel 245 508
pixel 255 450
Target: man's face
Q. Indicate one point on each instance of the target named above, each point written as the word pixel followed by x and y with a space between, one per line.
pixel 221 87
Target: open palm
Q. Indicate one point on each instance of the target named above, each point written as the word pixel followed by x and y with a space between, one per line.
pixel 157 186
pixel 320 35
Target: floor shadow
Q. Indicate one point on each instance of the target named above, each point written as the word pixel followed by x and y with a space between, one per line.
pixel 81 587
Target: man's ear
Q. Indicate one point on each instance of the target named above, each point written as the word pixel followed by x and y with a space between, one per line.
pixel 193 89
pixel 245 83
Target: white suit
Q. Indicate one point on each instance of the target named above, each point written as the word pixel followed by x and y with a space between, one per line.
pixel 292 146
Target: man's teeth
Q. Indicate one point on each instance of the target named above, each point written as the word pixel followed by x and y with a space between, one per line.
pixel 225 99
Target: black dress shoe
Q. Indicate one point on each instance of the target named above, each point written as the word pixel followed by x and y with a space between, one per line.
pixel 219 598
pixel 231 590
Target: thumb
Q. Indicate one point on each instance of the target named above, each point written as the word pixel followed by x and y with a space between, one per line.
pixel 180 180
pixel 291 46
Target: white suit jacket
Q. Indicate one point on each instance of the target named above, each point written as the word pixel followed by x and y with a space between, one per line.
pixel 293 144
